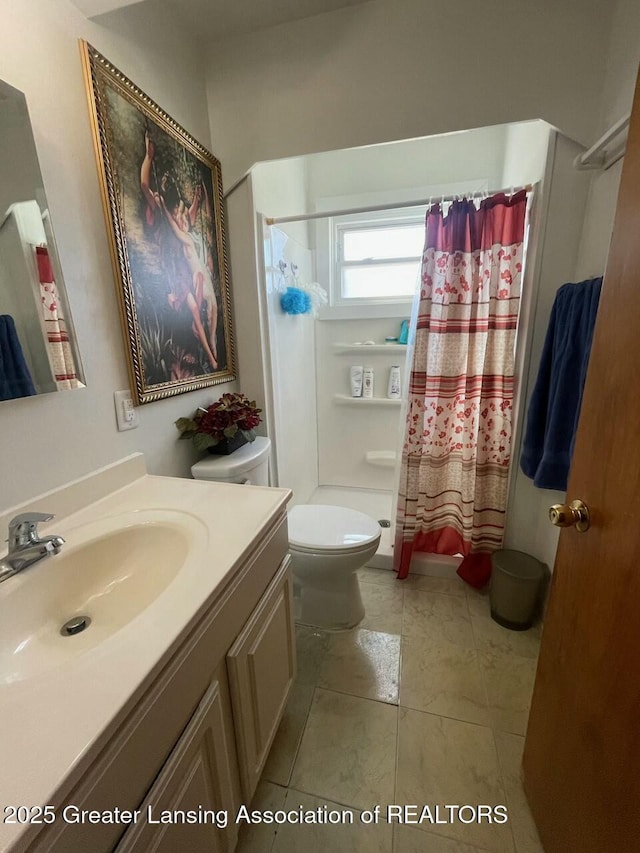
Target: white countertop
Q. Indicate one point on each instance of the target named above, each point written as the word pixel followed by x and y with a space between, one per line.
pixel 50 721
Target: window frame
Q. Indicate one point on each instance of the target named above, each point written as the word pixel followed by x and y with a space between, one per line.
pixel 367 222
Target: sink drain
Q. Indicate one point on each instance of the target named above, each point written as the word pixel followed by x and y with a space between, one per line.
pixel 384 522
pixel 75 626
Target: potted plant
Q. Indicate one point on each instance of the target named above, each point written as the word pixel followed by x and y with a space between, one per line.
pixel 224 426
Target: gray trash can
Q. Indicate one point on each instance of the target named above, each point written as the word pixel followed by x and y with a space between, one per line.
pixel 516 588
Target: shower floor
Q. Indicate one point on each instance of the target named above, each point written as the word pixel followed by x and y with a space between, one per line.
pixel 379 504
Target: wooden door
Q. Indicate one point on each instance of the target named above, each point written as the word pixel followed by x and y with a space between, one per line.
pixel 582 752
pixel 262 666
pixel 196 777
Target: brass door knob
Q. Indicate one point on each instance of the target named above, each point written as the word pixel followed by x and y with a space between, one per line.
pixel 575 514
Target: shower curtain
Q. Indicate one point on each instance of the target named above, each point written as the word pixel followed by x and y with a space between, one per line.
pixel 456 454
pixel 60 352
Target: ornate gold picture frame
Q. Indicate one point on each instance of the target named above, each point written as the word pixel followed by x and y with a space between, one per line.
pixel 163 203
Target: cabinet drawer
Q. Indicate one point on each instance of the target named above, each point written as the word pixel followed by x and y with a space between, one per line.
pixel 262 665
pixel 195 782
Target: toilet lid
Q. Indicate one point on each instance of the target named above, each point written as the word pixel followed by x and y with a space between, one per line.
pixel 330 528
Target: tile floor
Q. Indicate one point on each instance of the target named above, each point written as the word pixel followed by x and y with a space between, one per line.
pixel 425 702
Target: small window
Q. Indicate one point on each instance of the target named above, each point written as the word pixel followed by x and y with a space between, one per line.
pixel 377 261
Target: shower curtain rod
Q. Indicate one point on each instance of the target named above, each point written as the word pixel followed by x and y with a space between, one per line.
pixel 595 157
pixel 326 214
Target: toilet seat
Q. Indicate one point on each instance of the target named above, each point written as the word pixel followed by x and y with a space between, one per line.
pixel 317 528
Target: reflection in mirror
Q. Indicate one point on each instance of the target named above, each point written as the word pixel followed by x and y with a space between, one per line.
pixel 38 350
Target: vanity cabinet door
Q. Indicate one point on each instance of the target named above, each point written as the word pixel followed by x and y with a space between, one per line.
pixel 262 665
pixel 196 777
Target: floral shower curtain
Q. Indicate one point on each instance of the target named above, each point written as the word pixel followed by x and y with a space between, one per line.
pixel 60 352
pixel 455 460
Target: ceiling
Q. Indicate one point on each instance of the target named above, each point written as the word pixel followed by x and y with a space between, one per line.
pixel 213 20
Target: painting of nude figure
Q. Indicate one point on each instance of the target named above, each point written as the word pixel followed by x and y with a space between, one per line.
pixel 163 200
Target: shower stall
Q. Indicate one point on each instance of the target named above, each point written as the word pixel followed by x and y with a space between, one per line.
pixel 329 447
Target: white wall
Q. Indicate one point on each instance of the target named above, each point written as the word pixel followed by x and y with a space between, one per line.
pixel 528 527
pixel 525 153
pixel 294 370
pixel 403 168
pixel 62 436
pixel 623 56
pixel 619 85
pixel 384 71
pixel 576 246
pixel 279 189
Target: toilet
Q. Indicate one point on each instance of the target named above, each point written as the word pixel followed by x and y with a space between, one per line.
pixel 328 544
pixel 249 465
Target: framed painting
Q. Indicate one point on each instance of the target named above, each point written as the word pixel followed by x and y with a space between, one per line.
pixel 162 195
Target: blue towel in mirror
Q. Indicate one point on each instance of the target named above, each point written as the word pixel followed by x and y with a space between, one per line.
pixel 554 408
pixel 15 379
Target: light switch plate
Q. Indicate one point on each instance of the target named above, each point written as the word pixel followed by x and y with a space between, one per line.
pixel 126 414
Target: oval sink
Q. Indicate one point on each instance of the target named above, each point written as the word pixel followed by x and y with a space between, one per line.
pixel 108 571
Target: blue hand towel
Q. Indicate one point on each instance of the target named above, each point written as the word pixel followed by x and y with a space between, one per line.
pixel 15 379
pixel 554 408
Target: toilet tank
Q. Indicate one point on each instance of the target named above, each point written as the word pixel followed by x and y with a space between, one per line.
pixel 248 465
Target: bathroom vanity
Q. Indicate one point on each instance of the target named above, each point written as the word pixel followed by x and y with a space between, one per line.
pixel 170 708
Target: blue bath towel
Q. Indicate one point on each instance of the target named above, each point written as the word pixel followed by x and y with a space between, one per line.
pixel 15 379
pixel 554 408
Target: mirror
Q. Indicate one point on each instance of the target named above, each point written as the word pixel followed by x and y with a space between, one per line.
pixel 38 349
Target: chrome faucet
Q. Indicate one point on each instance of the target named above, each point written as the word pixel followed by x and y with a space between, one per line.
pixel 25 546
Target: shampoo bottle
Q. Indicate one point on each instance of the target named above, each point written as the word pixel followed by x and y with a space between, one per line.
pixel 356 381
pixel 394 391
pixel 367 383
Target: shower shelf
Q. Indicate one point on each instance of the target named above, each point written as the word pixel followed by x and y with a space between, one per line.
pixel 375 349
pixel 345 400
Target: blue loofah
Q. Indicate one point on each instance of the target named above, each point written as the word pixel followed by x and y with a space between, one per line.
pixel 295 301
